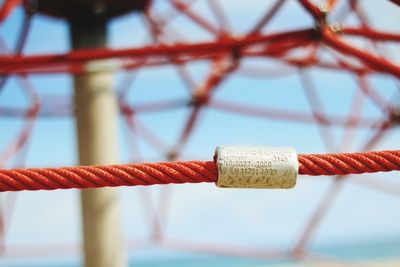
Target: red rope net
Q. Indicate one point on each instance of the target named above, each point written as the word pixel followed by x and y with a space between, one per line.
pixel 356 49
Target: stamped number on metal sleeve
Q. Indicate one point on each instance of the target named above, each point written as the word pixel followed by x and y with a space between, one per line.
pixel 256 167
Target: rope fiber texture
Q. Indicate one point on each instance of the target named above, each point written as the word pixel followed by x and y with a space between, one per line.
pixel 183 172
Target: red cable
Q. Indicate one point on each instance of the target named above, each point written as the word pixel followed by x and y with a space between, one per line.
pixel 375 62
pixel 312 9
pixel 349 163
pixel 371 34
pixel 8 7
pixel 14 63
pixel 183 172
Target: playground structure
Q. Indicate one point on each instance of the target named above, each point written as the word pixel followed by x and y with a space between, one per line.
pixel 292 52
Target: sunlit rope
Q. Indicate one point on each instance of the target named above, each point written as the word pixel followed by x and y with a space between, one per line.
pixel 183 172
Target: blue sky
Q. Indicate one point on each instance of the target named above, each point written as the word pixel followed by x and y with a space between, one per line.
pixel 255 217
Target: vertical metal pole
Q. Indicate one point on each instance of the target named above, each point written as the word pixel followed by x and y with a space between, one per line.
pixel 96 121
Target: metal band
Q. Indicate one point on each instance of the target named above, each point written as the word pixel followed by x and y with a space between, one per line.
pixel 256 167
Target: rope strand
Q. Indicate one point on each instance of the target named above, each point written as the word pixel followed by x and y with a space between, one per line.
pixel 183 172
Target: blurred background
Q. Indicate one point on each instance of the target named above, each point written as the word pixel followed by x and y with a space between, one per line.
pixel 309 96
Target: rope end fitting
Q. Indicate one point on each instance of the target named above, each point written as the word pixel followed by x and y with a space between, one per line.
pixel 256 167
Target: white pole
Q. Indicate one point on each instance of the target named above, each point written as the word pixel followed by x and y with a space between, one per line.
pixel 96 122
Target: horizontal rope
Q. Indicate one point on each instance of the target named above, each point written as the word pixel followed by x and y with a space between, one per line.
pixel 183 172
pixel 349 163
pixel 29 63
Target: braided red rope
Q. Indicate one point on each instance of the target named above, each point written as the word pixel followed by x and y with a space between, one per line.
pixel 349 163
pixel 183 172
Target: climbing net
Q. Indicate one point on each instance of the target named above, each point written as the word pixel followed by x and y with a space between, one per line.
pixel 335 37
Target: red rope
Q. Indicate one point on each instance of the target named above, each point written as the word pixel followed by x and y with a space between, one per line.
pixel 183 172
pixel 349 163
pixel 26 63
pixel 8 7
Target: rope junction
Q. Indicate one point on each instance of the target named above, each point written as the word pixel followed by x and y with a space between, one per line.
pixel 183 172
